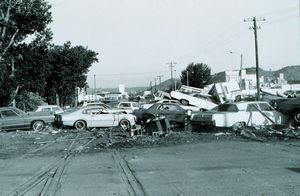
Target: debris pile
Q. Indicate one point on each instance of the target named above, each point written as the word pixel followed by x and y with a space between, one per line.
pixel 264 133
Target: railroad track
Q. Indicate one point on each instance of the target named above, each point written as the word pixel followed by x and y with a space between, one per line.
pixel 48 181
pixel 134 186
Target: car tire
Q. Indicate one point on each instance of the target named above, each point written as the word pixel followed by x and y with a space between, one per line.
pixel 297 116
pixel 184 102
pixel 238 126
pixel 38 125
pixel 80 125
pixel 125 124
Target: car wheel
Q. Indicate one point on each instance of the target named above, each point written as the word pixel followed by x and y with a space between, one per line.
pixel 38 125
pixel 125 124
pixel 80 124
pixel 297 116
pixel 237 126
pixel 184 102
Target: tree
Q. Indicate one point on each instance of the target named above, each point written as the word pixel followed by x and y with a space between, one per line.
pixel 69 66
pixel 196 75
pixel 18 20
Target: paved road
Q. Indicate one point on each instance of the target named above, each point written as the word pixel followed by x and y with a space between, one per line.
pixel 210 168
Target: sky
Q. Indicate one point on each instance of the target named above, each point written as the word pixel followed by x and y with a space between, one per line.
pixel 136 39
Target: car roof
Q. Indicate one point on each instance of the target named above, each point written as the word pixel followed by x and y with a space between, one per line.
pixel 5 108
pixel 168 103
pixel 244 104
pixel 128 102
pixel 46 106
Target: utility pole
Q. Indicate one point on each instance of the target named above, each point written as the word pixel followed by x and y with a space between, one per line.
pixel 151 87
pixel 171 65
pixel 95 86
pixel 159 79
pixel 175 78
pixel 187 77
pixel 241 73
pixel 155 85
pixel 254 20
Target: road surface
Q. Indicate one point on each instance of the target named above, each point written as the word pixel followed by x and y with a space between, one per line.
pixel 218 167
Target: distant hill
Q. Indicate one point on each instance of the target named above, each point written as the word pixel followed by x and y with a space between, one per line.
pixel 165 86
pixel 291 74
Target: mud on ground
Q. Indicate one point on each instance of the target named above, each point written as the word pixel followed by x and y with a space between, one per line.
pixel 51 142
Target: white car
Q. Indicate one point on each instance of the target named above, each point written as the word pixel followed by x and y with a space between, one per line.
pixel 49 108
pixel 237 115
pixel 128 107
pixel 95 116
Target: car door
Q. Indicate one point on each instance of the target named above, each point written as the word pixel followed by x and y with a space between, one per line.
pixel 172 112
pixel 103 119
pixel 11 120
pixel 256 115
pixel 270 113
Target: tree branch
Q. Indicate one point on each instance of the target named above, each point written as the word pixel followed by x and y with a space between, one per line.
pixel 10 43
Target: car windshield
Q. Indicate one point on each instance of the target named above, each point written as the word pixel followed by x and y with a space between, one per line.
pixel 265 107
pixel 135 104
pixel 227 108
pixel 18 111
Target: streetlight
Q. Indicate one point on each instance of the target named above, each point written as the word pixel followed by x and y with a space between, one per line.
pixel 241 79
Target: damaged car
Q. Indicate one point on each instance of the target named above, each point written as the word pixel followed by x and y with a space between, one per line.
pixel 236 115
pixel 12 118
pixel 94 117
pixel 288 106
pixel 171 111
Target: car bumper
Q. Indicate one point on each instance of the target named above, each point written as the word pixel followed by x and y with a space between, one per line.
pixel 204 123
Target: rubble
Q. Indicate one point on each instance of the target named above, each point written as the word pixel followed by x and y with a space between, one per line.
pixel 264 133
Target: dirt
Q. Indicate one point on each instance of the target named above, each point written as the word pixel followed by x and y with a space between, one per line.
pixel 17 143
pixel 110 162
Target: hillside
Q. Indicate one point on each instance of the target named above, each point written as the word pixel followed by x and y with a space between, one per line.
pixel 291 74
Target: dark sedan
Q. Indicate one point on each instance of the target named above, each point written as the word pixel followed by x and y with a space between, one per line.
pixel 12 118
pixel 289 106
pixel 172 111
